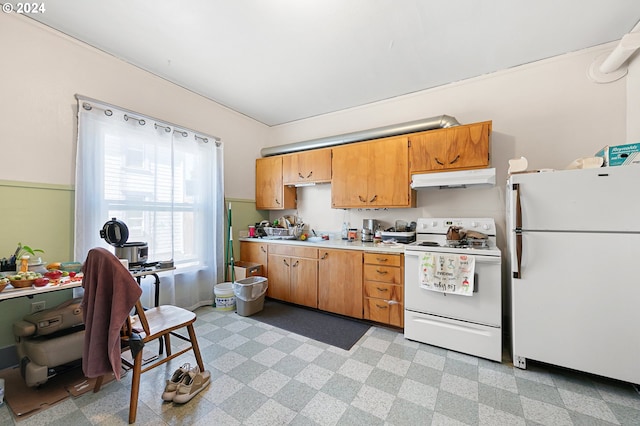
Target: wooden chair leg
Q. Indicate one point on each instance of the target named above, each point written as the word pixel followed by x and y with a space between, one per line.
pixel 98 384
pixel 167 343
pixel 195 347
pixel 135 387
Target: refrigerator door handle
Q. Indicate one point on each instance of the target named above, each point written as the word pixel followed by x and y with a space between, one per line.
pixel 517 216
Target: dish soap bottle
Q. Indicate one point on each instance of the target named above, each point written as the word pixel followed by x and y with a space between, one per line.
pixel 345 231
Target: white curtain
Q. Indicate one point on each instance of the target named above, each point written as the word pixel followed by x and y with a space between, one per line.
pixel 165 183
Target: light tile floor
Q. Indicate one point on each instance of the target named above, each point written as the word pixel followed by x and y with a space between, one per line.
pixel 263 375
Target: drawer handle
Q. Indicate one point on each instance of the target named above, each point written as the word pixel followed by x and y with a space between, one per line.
pixel 382 259
pixel 382 272
pixel 382 289
pixel 381 306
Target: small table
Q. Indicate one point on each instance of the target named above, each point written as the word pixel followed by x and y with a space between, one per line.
pixel 139 274
pixel 12 293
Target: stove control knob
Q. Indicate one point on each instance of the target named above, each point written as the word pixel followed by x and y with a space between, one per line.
pixel 486 227
pixel 434 223
pixel 474 224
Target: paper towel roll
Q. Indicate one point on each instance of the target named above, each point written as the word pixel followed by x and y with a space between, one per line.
pixel 518 165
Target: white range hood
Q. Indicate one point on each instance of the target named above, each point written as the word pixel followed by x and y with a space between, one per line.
pixel 459 179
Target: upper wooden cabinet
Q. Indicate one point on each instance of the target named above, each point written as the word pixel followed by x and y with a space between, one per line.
pixel 271 193
pixel 307 167
pixel 372 174
pixel 460 147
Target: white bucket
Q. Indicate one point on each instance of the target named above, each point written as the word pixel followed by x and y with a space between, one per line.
pixel 225 299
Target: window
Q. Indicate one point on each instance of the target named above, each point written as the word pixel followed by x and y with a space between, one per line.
pixel 164 183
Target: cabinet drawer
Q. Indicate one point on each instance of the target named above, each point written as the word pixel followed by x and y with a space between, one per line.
pixel 382 259
pixel 383 291
pixel 387 274
pixel 297 251
pixel 380 311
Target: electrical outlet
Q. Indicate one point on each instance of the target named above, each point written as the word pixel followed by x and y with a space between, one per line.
pixel 38 306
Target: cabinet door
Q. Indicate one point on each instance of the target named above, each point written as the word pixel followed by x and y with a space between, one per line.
pixel 340 282
pixel 388 180
pixel 307 166
pixel 350 170
pixel 279 277
pixel 271 194
pixel 304 282
pixel 256 253
pixel 460 147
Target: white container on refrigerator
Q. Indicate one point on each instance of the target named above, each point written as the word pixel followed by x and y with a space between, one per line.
pixel 574 244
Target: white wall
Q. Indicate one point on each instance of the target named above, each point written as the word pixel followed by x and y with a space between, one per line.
pixel 548 111
pixel 43 69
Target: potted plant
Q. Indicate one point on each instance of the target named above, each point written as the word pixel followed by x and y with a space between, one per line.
pixel 24 250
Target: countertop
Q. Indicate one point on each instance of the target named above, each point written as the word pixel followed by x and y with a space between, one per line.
pixel 335 244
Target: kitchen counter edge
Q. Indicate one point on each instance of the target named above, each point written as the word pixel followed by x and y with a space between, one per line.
pixel 334 244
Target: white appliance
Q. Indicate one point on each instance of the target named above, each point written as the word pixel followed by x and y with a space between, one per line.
pixel 457 179
pixel 468 324
pixel 574 243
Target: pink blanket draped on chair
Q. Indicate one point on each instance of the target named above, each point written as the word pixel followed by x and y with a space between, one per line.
pixel 110 292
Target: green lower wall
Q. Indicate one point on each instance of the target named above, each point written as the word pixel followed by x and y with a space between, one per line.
pixel 243 214
pixel 40 216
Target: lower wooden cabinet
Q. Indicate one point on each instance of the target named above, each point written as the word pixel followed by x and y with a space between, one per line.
pixel 293 274
pixel 383 292
pixel 256 253
pixel 340 282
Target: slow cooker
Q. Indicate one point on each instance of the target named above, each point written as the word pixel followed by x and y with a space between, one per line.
pixel 116 233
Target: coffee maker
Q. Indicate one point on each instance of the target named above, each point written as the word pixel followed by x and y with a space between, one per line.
pixel 369 227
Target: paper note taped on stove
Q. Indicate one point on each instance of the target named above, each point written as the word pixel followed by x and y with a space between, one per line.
pixel 447 273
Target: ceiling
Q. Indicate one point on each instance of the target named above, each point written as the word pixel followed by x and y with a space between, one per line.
pixel 278 61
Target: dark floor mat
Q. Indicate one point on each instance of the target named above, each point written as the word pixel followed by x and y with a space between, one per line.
pixel 334 330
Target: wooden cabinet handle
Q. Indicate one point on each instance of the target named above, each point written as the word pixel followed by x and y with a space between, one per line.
pixel 362 200
pixel 285 262
pixel 264 250
pixel 455 159
pixel 381 272
pixel 310 173
pixel 277 202
pixel 382 289
pixel 374 198
pixel 300 175
pixel 438 161
pixel 296 264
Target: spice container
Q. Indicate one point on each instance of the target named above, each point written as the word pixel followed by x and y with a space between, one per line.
pixel 353 234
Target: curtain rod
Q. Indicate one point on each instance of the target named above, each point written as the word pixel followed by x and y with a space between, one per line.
pixel 133 116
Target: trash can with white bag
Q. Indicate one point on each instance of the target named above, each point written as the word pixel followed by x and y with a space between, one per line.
pixel 250 294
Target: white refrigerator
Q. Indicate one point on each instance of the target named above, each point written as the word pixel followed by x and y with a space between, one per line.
pixel 574 248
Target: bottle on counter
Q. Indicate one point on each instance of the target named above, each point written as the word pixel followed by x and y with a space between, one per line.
pixel 345 231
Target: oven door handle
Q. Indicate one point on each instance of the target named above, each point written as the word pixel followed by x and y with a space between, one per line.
pixel 479 258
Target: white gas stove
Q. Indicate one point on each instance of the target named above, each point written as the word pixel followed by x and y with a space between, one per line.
pixel 470 323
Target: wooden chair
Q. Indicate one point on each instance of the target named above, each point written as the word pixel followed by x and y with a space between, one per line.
pixel 159 323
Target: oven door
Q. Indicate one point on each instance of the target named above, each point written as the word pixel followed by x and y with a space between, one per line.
pixel 483 307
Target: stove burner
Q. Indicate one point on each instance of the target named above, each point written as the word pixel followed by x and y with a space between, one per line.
pixel 468 243
pixel 428 244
